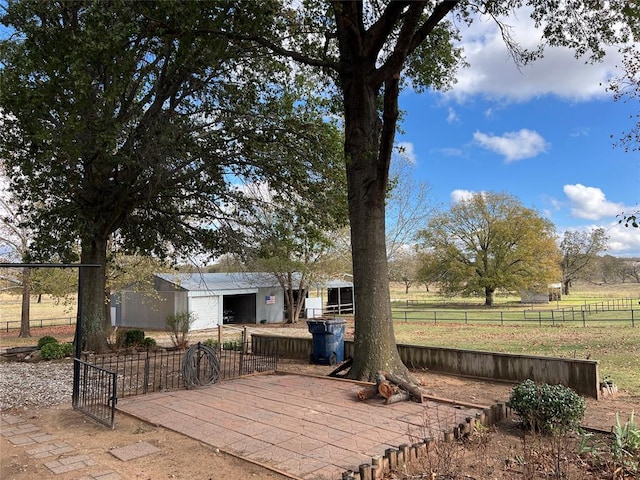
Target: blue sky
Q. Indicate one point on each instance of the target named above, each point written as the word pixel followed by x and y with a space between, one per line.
pixel 542 134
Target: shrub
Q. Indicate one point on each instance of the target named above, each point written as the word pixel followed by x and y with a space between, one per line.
pixel 131 338
pixel 149 342
pixel 619 453
pixel 232 345
pixel 52 351
pixel 210 342
pixel 547 408
pixel 178 325
pixel 45 340
pixel 626 444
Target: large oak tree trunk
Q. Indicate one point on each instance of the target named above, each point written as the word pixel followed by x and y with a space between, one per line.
pixel 488 296
pixel 367 179
pixel 96 326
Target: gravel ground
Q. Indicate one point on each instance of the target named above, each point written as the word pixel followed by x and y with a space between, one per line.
pixel 25 385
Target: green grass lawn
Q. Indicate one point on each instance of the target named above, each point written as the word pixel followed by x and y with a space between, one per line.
pixel 616 346
pixel 426 318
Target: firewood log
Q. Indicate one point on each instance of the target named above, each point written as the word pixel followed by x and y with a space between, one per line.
pixel 415 391
pixel 398 397
pixel 368 392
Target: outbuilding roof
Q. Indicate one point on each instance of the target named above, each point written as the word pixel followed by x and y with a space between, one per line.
pixel 214 282
pixel 217 282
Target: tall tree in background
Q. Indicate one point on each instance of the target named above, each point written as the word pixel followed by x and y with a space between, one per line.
pixel 14 243
pixel 626 86
pixel 133 132
pixel 490 241
pixel 580 252
pixel 369 51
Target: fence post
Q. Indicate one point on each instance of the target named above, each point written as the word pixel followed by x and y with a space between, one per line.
pixel 466 320
pixel 145 380
pixel 583 319
pixel 633 322
pixel 540 318
pixel 435 317
pixel 553 319
pixel 502 318
pixel 405 317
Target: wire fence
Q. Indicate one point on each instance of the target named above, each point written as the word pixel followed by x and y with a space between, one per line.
pixel 625 310
pixel 613 310
pixel 8 325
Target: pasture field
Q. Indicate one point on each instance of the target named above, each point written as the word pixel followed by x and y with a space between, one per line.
pixel 608 336
pixel 50 311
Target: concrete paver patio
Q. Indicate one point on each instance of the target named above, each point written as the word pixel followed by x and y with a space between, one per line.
pixel 306 427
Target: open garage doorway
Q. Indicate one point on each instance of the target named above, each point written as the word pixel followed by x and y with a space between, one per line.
pixel 239 308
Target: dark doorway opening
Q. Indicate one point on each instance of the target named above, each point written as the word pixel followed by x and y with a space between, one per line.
pixel 239 308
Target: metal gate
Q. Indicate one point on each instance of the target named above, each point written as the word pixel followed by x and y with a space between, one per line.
pixel 94 392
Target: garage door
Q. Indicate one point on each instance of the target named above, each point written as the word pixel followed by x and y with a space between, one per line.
pixel 205 311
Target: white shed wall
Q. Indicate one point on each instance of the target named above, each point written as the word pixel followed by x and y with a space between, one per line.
pixel 205 309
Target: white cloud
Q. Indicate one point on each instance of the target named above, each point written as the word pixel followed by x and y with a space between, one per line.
pixel 590 202
pixel 406 150
pixel 460 195
pixel 493 73
pixel 452 116
pixel 622 242
pixel 513 145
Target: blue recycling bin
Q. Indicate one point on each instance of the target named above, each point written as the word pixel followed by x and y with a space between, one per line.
pixel 328 340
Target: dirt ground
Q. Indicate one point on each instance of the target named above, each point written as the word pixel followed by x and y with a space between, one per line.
pixel 501 450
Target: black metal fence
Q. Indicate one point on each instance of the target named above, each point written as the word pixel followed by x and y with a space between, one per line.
pixel 94 391
pixel 141 372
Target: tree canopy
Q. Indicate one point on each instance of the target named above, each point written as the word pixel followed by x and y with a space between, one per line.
pixel 121 129
pixel 580 252
pixel 490 241
pixel 369 51
pixel 364 52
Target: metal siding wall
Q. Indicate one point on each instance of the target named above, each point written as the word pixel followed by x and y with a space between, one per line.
pixel 137 310
pixel 271 313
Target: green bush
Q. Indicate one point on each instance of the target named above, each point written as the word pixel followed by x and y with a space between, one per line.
pixel 45 340
pixel 133 338
pixel 547 408
pixel 149 342
pixel 620 452
pixel 210 342
pixel 52 351
pixel 232 345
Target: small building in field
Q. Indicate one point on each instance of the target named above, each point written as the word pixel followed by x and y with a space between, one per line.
pixel 552 294
pixel 211 298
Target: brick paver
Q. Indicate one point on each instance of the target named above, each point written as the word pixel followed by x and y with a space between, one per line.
pixel 70 464
pixel 308 427
pixel 135 450
pixel 50 449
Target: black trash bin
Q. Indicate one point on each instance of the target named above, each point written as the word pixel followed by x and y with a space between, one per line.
pixel 328 340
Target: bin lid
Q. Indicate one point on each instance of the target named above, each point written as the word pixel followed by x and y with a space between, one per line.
pixel 327 320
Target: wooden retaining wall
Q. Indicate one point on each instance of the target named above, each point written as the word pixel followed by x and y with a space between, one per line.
pixel 583 376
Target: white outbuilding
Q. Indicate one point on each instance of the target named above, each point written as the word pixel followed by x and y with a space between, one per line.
pixel 211 298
